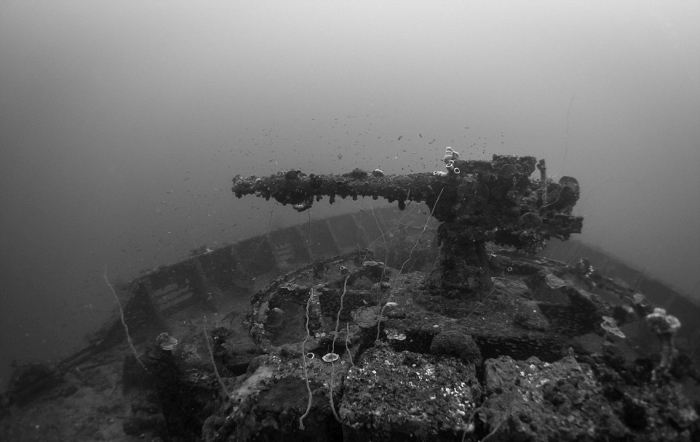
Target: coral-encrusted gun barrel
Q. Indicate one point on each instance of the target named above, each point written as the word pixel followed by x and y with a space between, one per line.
pixel 477 201
pixel 502 187
pixel 300 190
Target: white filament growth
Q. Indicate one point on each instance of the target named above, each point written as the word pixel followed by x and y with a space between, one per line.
pixel 126 327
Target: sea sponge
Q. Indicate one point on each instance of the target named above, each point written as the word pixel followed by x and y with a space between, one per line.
pixel 665 327
pixel 452 342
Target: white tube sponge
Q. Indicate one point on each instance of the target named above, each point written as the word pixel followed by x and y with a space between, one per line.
pixel 665 327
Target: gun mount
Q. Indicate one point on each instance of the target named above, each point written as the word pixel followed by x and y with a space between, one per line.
pixel 475 201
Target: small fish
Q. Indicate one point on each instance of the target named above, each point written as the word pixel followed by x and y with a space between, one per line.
pixel 400 136
pixel 420 135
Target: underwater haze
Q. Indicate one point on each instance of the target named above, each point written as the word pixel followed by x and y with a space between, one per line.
pixel 122 124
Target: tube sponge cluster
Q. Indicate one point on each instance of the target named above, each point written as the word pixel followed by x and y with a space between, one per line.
pixel 665 327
